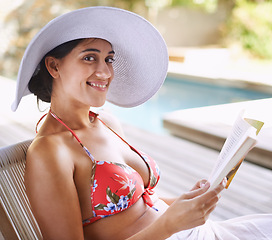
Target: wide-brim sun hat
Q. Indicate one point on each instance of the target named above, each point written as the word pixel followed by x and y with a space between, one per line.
pixel 141 57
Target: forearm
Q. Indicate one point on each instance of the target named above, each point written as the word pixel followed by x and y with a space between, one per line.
pixel 168 201
pixel 157 230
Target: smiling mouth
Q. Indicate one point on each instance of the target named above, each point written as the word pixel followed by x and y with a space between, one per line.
pixel 97 85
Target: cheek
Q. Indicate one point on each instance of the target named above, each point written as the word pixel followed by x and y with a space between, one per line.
pixel 112 73
pixel 65 72
pixel 73 73
pixel 68 79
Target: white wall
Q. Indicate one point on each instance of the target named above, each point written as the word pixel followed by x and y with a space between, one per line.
pixel 190 27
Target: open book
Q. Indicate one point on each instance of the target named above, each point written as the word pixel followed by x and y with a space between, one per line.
pixel 242 138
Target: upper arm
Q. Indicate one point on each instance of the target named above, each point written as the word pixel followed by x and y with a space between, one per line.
pixel 52 193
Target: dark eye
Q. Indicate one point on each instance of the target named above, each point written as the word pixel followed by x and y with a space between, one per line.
pixel 89 58
pixel 110 60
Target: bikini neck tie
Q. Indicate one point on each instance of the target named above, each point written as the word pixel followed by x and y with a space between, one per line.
pixel 92 116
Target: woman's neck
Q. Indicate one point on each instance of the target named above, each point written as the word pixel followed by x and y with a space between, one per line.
pixel 75 118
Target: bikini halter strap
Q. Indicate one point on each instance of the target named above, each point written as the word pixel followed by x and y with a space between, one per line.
pixel 91 114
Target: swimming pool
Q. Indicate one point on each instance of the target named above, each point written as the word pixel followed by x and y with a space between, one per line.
pixel 177 94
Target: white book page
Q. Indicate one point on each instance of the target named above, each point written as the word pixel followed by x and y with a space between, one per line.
pixel 239 133
pixel 229 165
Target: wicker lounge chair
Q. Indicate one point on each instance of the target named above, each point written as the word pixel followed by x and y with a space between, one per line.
pixel 16 218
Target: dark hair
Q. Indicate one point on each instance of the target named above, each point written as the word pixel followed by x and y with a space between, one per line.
pixel 41 81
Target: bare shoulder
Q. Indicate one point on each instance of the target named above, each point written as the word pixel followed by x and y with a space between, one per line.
pixel 46 154
pixel 51 188
pixel 111 121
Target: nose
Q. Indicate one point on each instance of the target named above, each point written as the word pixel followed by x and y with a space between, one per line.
pixel 103 70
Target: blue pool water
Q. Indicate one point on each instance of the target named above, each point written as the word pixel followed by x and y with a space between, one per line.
pixel 176 94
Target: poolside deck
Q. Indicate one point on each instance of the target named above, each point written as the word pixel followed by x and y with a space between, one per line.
pixel 182 162
pixel 209 126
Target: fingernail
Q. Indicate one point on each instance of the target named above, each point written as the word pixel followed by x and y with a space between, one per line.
pixel 206 185
pixel 225 181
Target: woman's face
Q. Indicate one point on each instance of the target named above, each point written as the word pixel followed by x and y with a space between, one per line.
pixel 84 75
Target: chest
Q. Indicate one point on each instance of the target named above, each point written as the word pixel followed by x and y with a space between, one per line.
pixel 105 146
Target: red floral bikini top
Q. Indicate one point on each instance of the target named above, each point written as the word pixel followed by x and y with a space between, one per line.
pixel 114 186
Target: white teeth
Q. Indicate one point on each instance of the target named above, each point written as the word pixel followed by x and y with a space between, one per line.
pixel 98 85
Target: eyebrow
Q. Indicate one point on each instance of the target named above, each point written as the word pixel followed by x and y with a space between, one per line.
pixel 96 50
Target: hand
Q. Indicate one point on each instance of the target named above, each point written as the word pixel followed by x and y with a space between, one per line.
pixel 202 182
pixel 199 184
pixel 193 208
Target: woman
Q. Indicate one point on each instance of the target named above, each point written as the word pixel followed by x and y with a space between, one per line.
pixel 83 180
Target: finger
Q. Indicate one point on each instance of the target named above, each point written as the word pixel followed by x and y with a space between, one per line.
pixel 202 182
pixel 210 205
pixel 197 192
pixel 206 209
pixel 219 188
pixel 210 208
pixel 209 211
pixel 213 201
pixel 209 195
pixel 199 184
pixel 224 182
